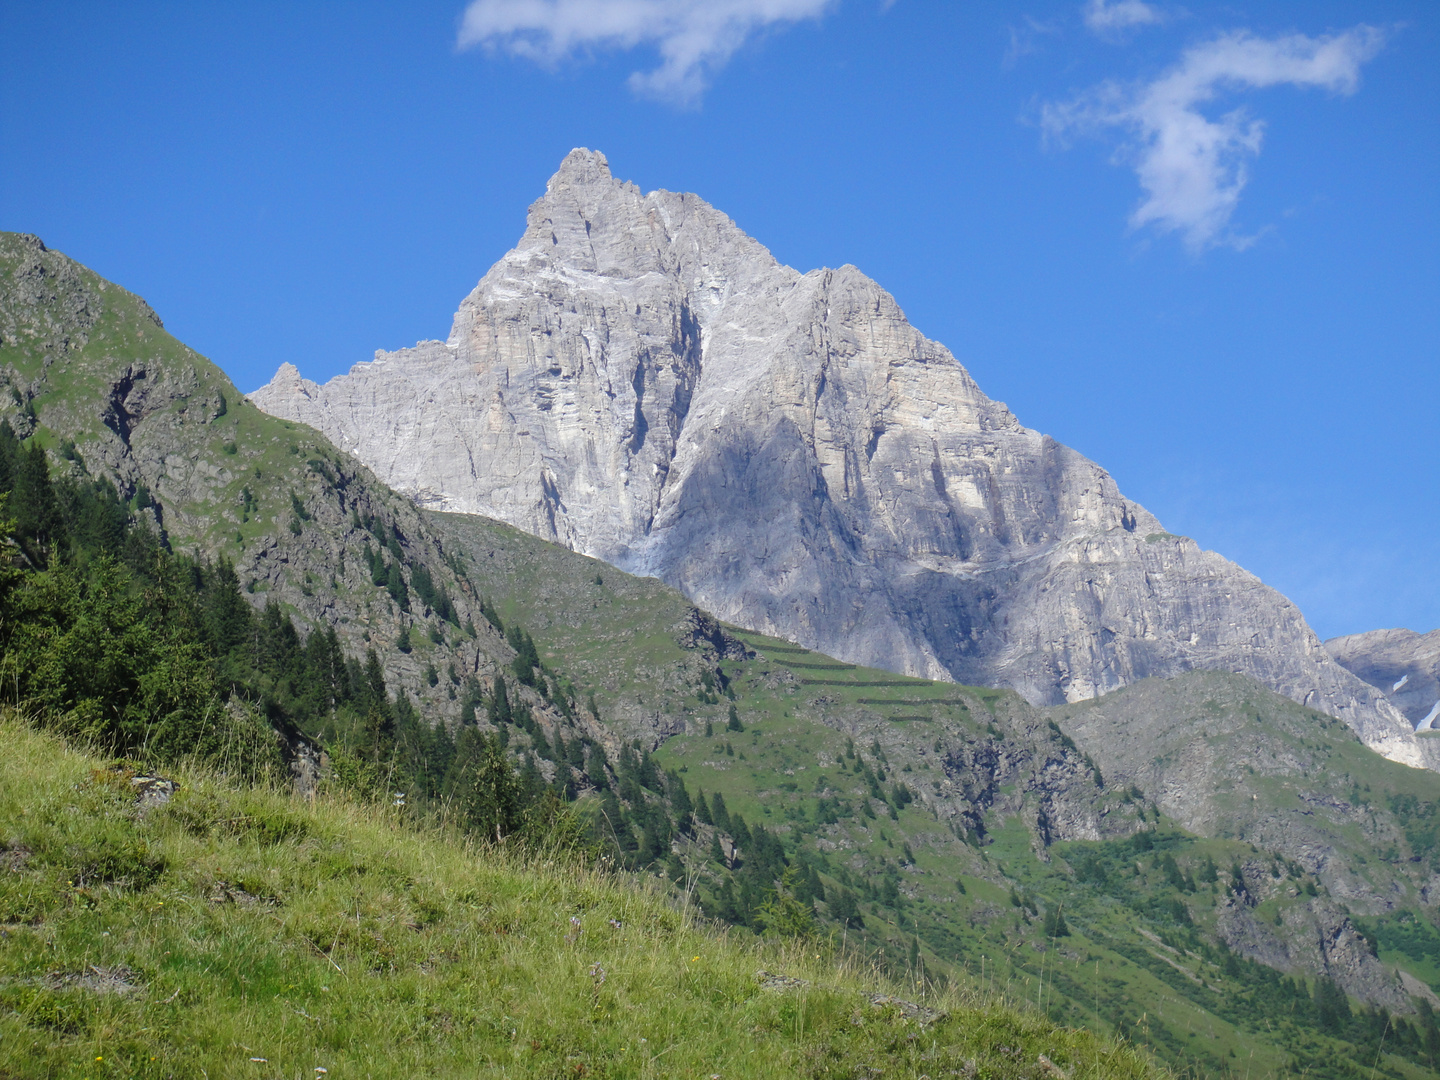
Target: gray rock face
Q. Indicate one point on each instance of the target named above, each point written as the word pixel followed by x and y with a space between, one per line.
pixel 1402 665
pixel 642 382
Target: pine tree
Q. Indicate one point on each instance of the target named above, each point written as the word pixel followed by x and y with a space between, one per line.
pixel 489 798
pixel 441 755
pixel 395 585
pixel 740 832
pixel 648 774
pixel 229 620
pixel 498 711
pixel 10 450
pixel 679 797
pixel 675 869
pixel 733 724
pixel 1054 925
pixel 39 530
pixel 845 908
pixel 372 692
pixel 575 753
pixel 595 768
pixel 719 815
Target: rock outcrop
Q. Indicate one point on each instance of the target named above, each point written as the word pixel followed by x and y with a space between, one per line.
pixel 641 381
pixel 1402 665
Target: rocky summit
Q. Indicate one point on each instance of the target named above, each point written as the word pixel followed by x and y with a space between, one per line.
pixel 641 381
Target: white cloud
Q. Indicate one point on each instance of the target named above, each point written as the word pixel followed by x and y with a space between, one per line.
pixel 1109 16
pixel 1192 168
pixel 695 38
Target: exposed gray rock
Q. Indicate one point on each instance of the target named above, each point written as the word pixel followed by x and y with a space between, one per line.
pixel 1402 665
pixel 1318 939
pixel 642 382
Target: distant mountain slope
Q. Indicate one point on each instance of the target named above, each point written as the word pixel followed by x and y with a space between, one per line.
pixel 1401 664
pixel 995 799
pixel 88 370
pixel 642 382
pixel 1224 757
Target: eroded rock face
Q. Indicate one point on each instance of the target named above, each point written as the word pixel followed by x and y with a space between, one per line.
pixel 1402 665
pixel 1317 938
pixel 641 381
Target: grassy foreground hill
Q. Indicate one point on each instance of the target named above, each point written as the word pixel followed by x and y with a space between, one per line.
pixel 246 932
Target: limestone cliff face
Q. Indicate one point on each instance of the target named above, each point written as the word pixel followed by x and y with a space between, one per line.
pixel 642 382
pixel 1402 665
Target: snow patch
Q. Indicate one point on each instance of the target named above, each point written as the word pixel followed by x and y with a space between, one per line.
pixel 1428 724
pixel 1403 680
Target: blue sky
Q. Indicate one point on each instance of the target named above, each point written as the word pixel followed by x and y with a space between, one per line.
pixel 1197 242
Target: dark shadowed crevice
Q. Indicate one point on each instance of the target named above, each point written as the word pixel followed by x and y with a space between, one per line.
pixel 642 426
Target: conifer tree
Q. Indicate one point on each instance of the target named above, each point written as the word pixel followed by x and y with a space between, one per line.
pixel 719 815
pixel 595 768
pixel 229 620
pixel 498 710
pixel 575 753
pixel 33 506
pixel 372 691
pixel 679 797
pixel 489 798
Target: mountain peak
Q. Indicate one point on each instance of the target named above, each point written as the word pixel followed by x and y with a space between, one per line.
pixel 581 167
pixel 642 382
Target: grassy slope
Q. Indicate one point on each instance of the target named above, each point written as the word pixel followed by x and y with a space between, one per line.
pixel 233 925
pixel 1116 968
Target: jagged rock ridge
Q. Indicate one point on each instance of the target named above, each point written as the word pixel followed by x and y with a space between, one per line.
pixel 641 381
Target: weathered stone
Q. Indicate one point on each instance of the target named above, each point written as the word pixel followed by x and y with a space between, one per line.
pixel 1402 665
pixel 642 382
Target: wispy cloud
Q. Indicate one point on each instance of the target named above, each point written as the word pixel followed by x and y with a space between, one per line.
pixel 1110 16
pixel 695 38
pixel 1025 38
pixel 1193 168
